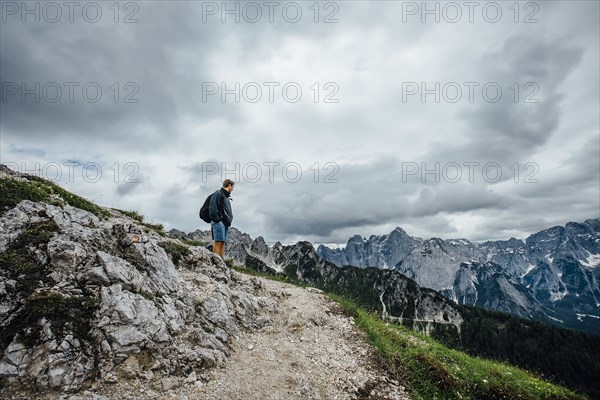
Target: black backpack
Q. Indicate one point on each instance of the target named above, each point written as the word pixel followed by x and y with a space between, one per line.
pixel 204 215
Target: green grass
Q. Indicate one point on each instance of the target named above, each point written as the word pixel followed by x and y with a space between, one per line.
pixel 190 242
pixel 131 214
pixel 175 251
pixel 433 371
pixel 13 191
pixel 158 228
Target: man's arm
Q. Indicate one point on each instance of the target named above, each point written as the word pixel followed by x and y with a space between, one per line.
pixel 213 208
pixel 227 212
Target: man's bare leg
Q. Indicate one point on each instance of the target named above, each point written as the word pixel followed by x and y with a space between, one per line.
pixel 216 249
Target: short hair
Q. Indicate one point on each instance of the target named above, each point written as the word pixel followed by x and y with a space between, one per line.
pixel 228 182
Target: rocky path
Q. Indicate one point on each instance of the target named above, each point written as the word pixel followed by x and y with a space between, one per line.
pixel 309 350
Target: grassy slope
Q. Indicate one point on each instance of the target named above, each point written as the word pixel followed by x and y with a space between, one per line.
pixel 38 189
pixel 434 371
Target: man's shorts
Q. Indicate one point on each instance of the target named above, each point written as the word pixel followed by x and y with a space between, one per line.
pixel 219 231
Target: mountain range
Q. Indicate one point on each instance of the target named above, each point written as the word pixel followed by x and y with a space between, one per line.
pixel 552 276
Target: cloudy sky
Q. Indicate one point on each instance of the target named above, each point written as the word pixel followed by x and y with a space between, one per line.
pixel 334 118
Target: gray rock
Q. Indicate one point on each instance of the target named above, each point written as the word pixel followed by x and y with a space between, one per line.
pixel 7 369
pixel 171 321
pixel 191 378
pixel 169 383
pixel 120 271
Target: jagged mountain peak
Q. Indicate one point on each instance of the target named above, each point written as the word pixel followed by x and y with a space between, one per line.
pixel 303 246
pixel 356 239
pixel 398 232
pixel 594 223
pixel 546 234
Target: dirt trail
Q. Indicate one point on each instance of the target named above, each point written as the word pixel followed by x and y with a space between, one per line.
pixel 310 351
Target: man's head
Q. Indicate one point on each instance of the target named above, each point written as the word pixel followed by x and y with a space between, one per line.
pixel 228 185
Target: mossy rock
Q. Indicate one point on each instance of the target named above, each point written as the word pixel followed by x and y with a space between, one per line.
pixel 13 191
pixel 66 315
pixel 19 262
pixel 175 251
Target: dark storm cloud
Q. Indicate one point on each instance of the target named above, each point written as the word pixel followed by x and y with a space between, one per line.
pixel 144 53
pixel 166 55
pixel 309 207
pixel 510 130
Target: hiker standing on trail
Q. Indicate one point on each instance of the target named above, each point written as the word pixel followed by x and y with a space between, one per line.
pixel 221 216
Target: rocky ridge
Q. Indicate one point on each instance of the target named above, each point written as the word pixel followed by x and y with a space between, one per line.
pixel 101 294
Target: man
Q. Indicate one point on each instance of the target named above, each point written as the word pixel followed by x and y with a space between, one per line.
pixel 221 216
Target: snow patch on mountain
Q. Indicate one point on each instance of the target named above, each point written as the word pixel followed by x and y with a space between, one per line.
pixel 530 268
pixel 333 246
pixel 592 261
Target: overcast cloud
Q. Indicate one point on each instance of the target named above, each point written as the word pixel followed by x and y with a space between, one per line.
pixel 509 164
